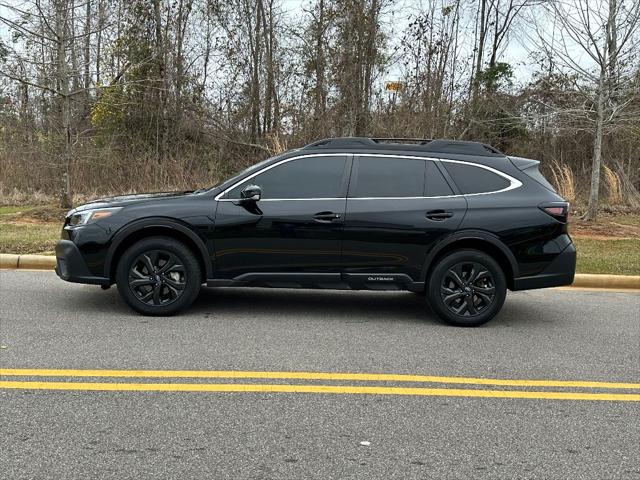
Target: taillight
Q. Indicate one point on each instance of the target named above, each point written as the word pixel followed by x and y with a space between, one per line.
pixel 559 211
pixel 554 211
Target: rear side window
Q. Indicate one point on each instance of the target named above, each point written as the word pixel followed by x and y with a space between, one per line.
pixel 311 177
pixel 389 177
pixel 472 179
pixel 436 185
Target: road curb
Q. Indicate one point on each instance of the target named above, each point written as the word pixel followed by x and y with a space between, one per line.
pixel 590 280
pixel 28 262
pixel 582 280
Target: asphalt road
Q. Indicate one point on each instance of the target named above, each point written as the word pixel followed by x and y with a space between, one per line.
pixel 540 335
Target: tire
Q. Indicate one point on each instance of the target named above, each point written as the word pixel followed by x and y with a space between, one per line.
pixel 158 276
pixel 460 299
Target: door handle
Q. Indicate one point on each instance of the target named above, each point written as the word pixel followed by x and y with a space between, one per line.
pixel 326 217
pixel 438 215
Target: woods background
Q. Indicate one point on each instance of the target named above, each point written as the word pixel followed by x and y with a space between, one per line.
pixel 112 96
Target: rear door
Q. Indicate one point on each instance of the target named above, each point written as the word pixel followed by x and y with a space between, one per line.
pixel 398 207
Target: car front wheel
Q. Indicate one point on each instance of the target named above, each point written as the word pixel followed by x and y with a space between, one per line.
pixel 467 288
pixel 158 276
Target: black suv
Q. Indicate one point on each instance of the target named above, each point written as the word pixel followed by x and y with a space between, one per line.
pixel 459 222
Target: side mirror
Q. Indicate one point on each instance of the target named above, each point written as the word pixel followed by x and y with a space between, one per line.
pixel 251 193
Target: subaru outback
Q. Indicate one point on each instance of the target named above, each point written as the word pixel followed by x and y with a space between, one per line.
pixel 458 222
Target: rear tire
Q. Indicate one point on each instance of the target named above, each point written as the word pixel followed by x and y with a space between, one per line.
pixel 467 288
pixel 158 276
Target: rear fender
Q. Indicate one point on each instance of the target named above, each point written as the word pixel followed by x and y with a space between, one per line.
pixel 469 236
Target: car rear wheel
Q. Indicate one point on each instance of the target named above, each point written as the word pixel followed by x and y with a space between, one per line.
pixel 467 288
pixel 158 276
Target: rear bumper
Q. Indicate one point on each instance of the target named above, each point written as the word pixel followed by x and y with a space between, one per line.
pixel 71 267
pixel 559 272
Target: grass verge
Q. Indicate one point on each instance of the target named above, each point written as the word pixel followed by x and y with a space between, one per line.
pixel 29 237
pixel 615 256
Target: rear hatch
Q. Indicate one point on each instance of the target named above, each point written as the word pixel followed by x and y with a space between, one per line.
pixel 557 209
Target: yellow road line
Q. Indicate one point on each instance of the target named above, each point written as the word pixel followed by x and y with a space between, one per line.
pixel 336 389
pixel 364 377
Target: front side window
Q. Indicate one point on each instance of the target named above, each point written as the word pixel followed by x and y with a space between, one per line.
pixel 310 177
pixel 472 179
pixel 388 177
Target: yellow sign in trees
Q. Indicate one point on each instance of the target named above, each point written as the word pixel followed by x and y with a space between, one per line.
pixel 393 86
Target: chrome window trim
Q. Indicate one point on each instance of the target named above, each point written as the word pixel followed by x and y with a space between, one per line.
pixel 287 199
pixel 513 182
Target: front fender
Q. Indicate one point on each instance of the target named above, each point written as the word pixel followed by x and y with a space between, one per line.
pixel 156 223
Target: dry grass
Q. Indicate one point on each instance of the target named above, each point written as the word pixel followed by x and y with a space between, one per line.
pixel 613 185
pixel 102 168
pixel 277 144
pixel 564 181
pixel 15 197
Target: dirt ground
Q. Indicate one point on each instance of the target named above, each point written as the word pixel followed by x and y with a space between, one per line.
pixel 607 227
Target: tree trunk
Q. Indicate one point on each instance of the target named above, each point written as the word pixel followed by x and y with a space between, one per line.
pixel 99 39
pixel 267 33
pixel 67 194
pixel 87 57
pixel 320 97
pixel 163 91
pixel 255 43
pixel 482 33
pixel 62 79
pixel 184 10
pixel 592 210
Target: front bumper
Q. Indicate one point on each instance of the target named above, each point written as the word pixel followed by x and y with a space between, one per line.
pixel 559 272
pixel 70 265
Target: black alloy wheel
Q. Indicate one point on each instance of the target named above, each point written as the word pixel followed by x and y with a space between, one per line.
pixel 466 288
pixel 158 276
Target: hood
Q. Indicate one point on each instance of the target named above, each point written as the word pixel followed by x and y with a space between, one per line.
pixel 124 200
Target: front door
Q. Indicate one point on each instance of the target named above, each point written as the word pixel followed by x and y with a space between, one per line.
pixel 295 228
pixel 397 209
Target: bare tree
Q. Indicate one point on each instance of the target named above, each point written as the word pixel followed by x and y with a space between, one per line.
pixel 52 27
pixel 430 53
pixel 120 95
pixel 607 34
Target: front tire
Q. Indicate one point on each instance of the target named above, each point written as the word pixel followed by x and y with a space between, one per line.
pixel 158 276
pixel 467 288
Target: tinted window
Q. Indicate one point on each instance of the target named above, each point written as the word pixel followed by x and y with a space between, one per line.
pixel 389 177
pixel 311 177
pixel 470 179
pixel 436 185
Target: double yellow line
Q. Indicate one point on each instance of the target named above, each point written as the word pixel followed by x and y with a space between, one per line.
pixel 315 388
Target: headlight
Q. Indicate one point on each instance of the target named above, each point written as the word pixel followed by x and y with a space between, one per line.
pixel 88 216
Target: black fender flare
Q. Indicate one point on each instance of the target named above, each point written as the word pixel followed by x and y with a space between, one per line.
pixel 157 222
pixel 469 235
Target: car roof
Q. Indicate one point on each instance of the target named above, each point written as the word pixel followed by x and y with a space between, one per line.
pixel 408 145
